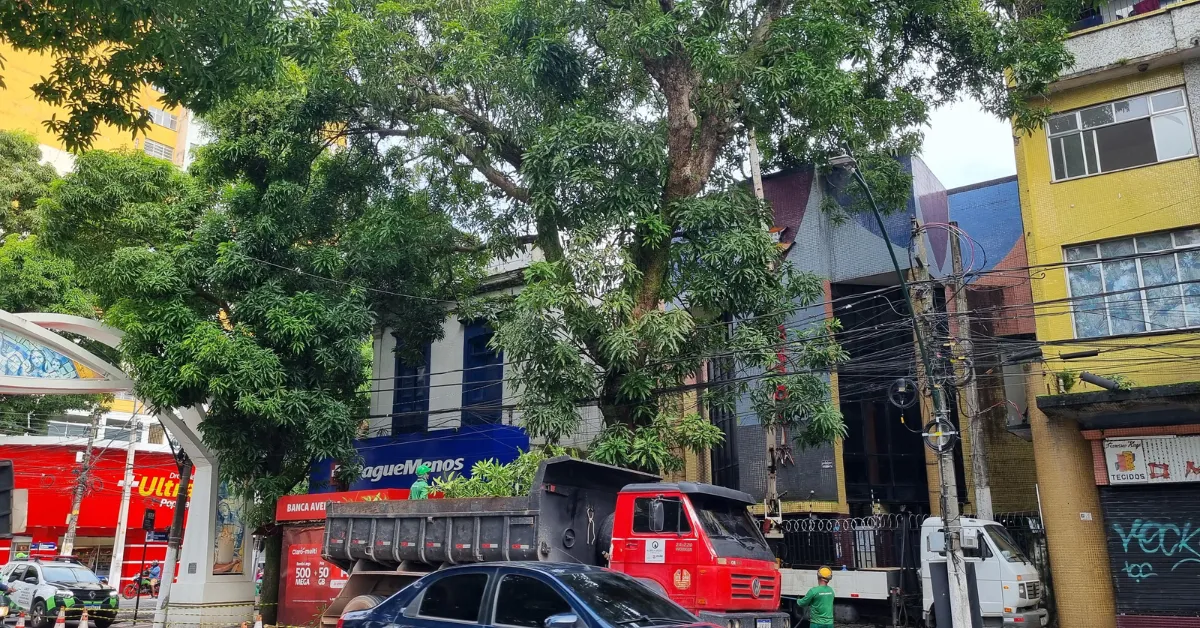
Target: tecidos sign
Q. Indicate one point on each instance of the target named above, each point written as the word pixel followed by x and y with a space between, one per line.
pixel 1152 460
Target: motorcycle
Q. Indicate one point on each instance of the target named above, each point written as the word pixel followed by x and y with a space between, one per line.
pixel 147 585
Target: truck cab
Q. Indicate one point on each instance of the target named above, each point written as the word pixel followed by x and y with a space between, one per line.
pixel 698 545
pixel 1010 590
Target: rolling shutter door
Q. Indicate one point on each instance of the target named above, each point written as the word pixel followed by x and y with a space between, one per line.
pixel 1153 535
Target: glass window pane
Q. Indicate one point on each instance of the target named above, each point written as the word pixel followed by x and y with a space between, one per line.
pixel 1073 153
pixel 1150 243
pixel 1089 313
pixel 1096 116
pixel 1125 312
pixel 1167 100
pixel 1126 145
pixel 1060 168
pixel 1116 248
pixel 1080 253
pixel 1189 271
pixel 1172 135
pixel 1187 238
pixel 527 602
pixel 1132 108
pixel 1089 152
pixel 1062 123
pixel 456 598
pixel 1165 304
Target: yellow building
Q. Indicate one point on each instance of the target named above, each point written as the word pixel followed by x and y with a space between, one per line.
pixel 166 137
pixel 1110 197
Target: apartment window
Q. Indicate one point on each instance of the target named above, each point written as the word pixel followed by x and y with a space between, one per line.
pixel 1135 285
pixel 1118 135
pixel 162 118
pixel 410 399
pixel 158 149
pixel 118 431
pixel 68 429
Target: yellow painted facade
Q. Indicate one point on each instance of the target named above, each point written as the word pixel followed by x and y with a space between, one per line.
pixel 1143 200
pixel 1137 201
pixel 21 110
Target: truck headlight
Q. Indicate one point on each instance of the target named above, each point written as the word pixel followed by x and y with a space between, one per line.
pixel 63 593
pixel 112 593
pixel 1021 590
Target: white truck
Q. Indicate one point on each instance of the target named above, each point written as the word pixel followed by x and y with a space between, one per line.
pixel 1009 588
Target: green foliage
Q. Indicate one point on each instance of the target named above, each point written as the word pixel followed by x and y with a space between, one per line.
pixel 23 180
pixel 1123 382
pixel 655 447
pixel 106 51
pixel 492 479
pixel 32 279
pixel 252 285
pixel 611 135
pixel 1066 380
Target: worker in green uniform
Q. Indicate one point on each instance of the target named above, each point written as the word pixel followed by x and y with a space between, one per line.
pixel 420 488
pixel 819 600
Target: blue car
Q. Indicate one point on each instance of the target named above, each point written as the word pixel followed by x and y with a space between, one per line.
pixel 523 595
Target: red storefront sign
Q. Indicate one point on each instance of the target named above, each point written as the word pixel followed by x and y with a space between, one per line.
pixel 312 507
pixel 48 472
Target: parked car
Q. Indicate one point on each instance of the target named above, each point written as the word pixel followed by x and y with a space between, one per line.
pixel 40 587
pixel 523 595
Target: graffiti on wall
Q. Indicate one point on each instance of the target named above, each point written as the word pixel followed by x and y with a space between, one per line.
pixel 1162 543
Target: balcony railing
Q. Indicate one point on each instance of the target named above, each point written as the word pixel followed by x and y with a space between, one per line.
pixel 1113 10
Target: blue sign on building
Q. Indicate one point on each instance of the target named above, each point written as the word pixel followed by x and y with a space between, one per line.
pixel 392 461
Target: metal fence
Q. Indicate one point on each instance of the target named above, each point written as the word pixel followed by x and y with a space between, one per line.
pixel 1027 530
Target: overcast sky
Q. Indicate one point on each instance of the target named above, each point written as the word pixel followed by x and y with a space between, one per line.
pixel 964 145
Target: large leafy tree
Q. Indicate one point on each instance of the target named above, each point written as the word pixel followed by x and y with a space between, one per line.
pixel 105 51
pixel 250 285
pixel 32 279
pixel 612 134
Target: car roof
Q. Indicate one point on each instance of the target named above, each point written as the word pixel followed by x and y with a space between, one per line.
pixel 548 568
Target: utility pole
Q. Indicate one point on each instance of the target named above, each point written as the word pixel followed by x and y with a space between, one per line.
pixel 118 556
pixel 167 577
pixel 964 372
pixel 772 511
pixel 81 484
pixel 956 568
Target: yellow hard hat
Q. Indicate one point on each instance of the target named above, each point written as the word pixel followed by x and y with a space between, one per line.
pixel 825 573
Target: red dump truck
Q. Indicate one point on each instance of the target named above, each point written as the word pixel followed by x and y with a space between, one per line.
pixel 694 543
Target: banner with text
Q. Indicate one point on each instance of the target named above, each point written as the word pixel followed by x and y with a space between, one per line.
pixel 1152 460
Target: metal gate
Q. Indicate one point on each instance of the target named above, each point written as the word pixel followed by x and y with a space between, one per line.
pixel 1027 530
pixel 1153 535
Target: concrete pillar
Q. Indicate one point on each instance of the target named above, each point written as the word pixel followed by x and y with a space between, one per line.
pixel 1083 588
pixel 200 597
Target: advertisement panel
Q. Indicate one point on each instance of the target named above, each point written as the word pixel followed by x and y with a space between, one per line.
pixel 306 582
pixel 392 461
pixel 1152 460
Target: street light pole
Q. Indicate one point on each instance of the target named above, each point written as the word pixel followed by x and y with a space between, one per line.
pixel 960 613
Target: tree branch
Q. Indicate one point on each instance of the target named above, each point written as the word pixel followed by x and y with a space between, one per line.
pixel 502 140
pixel 474 154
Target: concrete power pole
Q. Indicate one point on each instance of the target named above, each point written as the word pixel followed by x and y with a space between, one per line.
pixel 167 578
pixel 956 568
pixel 81 484
pixel 964 373
pixel 118 557
pixel 771 507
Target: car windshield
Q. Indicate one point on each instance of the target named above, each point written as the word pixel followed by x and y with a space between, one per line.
pixel 622 601
pixel 723 518
pixel 68 574
pixel 1005 544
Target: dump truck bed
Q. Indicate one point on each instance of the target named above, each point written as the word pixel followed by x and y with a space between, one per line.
pixel 559 520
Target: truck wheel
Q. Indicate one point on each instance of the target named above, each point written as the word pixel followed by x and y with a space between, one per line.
pixel 362 603
pixel 604 540
pixel 38 616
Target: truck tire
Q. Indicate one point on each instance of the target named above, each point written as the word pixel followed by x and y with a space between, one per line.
pixel 363 602
pixel 604 540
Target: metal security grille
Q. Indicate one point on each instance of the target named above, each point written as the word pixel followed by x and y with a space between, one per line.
pixel 1153 537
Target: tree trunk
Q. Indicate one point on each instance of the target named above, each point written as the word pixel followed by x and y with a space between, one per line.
pixel 269 593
